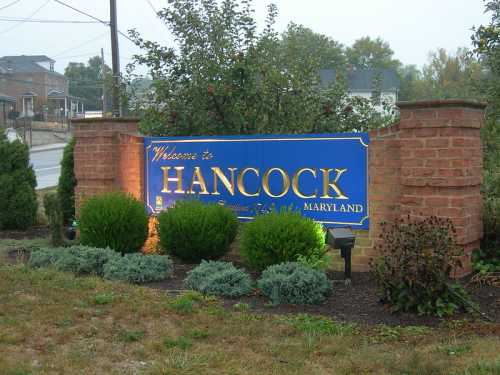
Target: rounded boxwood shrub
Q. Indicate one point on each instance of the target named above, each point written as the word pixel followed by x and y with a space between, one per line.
pixel 113 220
pixel 219 278
pixel 194 231
pixel 81 260
pixel 139 268
pixel 280 236
pixel 18 204
pixel 67 182
pixel 294 283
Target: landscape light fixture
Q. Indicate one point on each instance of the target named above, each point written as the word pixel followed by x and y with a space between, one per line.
pixel 343 239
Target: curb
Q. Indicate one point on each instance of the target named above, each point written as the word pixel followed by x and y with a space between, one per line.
pixel 54 146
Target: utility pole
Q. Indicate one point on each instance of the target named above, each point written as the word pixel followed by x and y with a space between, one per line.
pixel 115 58
pixel 103 74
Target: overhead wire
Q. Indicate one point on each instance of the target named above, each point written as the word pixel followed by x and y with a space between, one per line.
pixel 36 20
pixel 94 18
pixel 80 45
pixel 10 4
pixel 5 31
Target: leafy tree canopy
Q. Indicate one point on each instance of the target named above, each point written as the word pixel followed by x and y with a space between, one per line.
pixel 300 43
pixel 223 77
pixel 445 76
pixel 368 53
pixel 85 81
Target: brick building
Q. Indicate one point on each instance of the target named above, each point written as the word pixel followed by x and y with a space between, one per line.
pixel 37 88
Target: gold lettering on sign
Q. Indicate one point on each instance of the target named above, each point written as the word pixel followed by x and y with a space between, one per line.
pixel 286 182
pixel 166 153
pixel 198 179
pixel 167 179
pixel 241 182
pixel 327 184
pixel 295 183
pixel 219 175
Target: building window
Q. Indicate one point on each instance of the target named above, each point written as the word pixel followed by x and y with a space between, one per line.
pixel 51 66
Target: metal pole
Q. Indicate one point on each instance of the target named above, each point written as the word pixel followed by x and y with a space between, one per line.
pixel 346 254
pixel 115 58
pixel 103 72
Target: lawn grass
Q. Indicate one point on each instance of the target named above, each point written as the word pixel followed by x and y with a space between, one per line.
pixel 55 323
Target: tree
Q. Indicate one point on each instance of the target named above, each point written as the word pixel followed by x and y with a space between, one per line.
pixel 445 76
pixel 18 203
pixel 86 80
pixel 367 53
pixel 411 79
pixel 299 43
pixel 225 78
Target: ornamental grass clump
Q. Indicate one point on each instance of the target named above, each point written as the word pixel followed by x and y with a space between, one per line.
pixel 280 236
pixel 139 268
pixel 219 278
pixel 192 230
pixel 294 283
pixel 113 220
pixel 414 266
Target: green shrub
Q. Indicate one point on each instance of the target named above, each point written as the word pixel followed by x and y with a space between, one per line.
pixel 113 220
pixel 44 257
pixel 218 278
pixel 490 244
pixel 18 204
pixel 414 266
pixel 139 268
pixel 81 260
pixel 67 182
pixel 55 218
pixel 279 237
pixel 294 283
pixel 84 260
pixel 194 231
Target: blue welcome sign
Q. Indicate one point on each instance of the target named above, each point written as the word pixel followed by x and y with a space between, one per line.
pixel 324 176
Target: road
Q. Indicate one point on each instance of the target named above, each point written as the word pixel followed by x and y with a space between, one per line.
pixel 46 163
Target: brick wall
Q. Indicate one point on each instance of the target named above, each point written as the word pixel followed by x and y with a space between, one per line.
pixel 430 163
pixel 108 156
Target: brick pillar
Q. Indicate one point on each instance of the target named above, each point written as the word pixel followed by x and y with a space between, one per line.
pixel 108 157
pixel 441 166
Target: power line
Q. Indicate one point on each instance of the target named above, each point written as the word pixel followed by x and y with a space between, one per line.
pixel 94 18
pixel 82 12
pixel 10 4
pixel 155 11
pixel 152 7
pixel 80 45
pixel 25 20
pixel 81 83
pixel 5 19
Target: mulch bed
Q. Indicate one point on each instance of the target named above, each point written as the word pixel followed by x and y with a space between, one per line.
pixel 358 302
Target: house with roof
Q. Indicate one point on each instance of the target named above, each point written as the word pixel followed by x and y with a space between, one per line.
pixel 380 86
pixel 37 88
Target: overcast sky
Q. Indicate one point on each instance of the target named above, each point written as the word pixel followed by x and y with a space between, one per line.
pixel 412 28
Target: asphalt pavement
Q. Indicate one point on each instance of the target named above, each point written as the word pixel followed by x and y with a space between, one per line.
pixel 46 163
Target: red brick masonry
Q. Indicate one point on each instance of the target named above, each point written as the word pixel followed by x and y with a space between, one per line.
pixel 428 164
